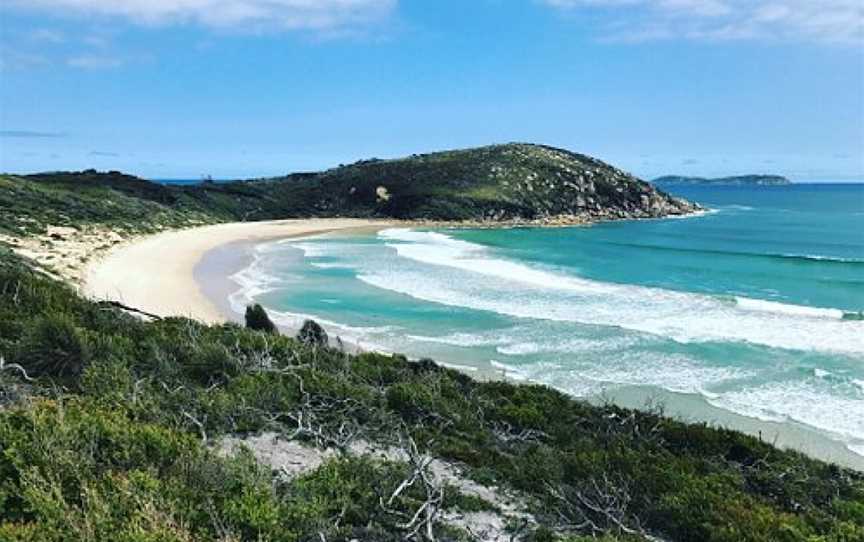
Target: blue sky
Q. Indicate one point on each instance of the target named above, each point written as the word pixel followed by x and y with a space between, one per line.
pixel 245 88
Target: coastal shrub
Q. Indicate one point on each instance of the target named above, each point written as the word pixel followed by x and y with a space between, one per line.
pixel 312 334
pixel 53 346
pixel 120 448
pixel 108 380
pixel 257 319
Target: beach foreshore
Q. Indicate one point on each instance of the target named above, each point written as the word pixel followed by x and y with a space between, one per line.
pixel 188 273
pixel 156 274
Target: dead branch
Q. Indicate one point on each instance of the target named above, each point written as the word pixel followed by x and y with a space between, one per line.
pixel 507 434
pixel 598 506
pixel 4 366
pixel 198 424
pixel 127 308
pixel 426 515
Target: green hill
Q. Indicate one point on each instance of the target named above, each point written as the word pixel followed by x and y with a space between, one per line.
pixel 500 183
pixel 514 182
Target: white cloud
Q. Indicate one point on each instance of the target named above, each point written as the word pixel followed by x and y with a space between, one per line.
pixel 837 21
pixel 14 60
pixel 324 15
pixel 95 62
pixel 47 35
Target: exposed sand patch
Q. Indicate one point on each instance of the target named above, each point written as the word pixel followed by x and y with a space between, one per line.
pixel 293 459
pixel 64 250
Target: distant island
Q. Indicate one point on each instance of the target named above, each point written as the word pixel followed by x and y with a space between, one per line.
pixel 738 180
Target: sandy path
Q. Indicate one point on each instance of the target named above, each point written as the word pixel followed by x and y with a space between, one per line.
pixel 156 273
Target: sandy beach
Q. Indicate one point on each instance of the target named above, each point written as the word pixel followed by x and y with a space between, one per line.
pixel 156 274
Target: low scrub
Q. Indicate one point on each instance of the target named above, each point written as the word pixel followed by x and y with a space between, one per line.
pixel 106 434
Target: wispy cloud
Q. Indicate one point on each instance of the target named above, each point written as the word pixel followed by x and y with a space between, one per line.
pixel 29 133
pixel 95 62
pixel 323 15
pixel 104 154
pixel 14 60
pixel 826 21
pixel 47 35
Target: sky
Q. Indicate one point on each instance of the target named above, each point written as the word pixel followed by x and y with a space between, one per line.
pixel 251 88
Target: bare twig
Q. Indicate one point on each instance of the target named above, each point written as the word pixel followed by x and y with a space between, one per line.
pixel 198 424
pixel 4 366
pixel 426 515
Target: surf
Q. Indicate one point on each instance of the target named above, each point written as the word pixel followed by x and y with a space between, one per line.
pixel 485 282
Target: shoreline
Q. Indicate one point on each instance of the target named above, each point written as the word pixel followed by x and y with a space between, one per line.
pixel 106 275
pixel 136 273
pixel 201 262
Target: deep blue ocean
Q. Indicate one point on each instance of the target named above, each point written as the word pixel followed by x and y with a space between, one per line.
pixel 754 306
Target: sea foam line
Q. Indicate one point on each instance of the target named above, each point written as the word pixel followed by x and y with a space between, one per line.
pixel 460 273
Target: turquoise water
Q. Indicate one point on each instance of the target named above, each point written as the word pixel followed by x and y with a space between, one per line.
pixel 753 306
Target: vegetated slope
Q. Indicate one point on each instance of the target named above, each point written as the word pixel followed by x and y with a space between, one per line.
pixel 28 204
pixel 515 182
pixel 739 180
pixel 110 435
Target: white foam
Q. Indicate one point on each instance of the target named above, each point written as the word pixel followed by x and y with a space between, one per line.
pixel 520 349
pixel 570 346
pixel 468 275
pixel 811 403
pixel 313 250
pixel 822 257
pixel 439 249
pixel 324 265
pixel 856 447
pixel 457 366
pixel 773 307
pixel 590 376
pixel 458 339
pixel 694 214
pixel 253 282
pixel 509 370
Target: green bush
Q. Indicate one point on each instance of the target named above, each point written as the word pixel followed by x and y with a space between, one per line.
pixel 312 334
pixel 53 346
pixel 106 443
pixel 257 319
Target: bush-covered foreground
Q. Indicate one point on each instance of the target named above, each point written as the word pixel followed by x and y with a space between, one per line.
pixel 109 436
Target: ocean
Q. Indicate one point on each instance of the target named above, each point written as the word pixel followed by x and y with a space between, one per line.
pixel 753 309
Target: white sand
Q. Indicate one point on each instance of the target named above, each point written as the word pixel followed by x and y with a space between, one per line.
pixel 156 273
